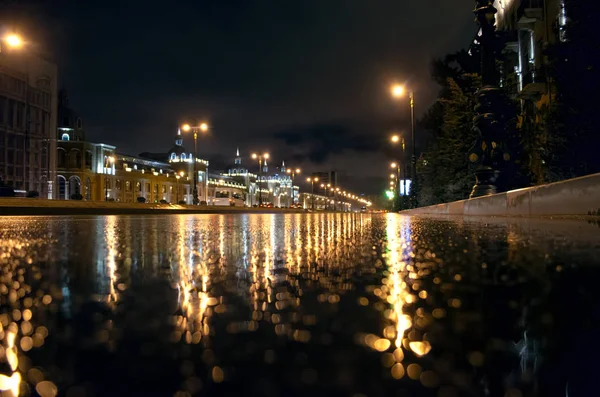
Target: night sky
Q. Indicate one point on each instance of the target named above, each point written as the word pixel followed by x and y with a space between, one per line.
pixel 306 80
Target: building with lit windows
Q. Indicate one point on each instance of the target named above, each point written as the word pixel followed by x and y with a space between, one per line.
pixel 97 172
pixel 269 188
pixel 28 120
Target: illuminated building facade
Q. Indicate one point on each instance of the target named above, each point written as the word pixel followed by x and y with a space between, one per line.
pixel 28 120
pixel 529 26
pixel 274 188
pixel 97 172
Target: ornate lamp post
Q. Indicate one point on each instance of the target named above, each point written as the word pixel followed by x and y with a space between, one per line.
pixel 312 182
pixel 490 149
pixel 293 173
pixel 203 127
pixel 260 158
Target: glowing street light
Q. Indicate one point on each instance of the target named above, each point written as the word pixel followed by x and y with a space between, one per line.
pixel 397 90
pixel 13 40
pixel 203 127
pixel 261 158
pixel 312 182
pixel 293 173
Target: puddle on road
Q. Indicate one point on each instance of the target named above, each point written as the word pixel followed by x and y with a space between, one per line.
pixel 291 305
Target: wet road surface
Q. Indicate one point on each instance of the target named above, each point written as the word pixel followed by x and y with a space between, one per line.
pixel 299 304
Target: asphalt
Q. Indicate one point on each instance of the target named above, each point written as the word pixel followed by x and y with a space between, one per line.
pixel 299 305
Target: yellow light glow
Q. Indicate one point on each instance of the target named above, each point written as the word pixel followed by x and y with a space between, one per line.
pixel 392 176
pixel 393 165
pixel 322 185
pixel 298 170
pixel 14 40
pixel 186 127
pixel 397 90
pixel 111 159
pixel 254 156
pixel 308 180
pixel 203 127
pixel 395 138
pixel 266 155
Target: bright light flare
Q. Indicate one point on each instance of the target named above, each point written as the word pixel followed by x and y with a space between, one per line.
pixel 395 138
pixel 203 127
pixel 393 165
pixel 186 127
pixel 397 90
pixel 14 40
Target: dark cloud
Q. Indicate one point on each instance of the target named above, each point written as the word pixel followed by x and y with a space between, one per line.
pixel 318 142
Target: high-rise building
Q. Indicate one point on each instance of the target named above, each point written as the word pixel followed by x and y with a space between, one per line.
pixel 28 121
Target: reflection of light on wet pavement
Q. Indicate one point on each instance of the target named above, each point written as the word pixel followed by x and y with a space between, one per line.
pixel 271 301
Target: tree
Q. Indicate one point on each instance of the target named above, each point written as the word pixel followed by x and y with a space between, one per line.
pixel 443 169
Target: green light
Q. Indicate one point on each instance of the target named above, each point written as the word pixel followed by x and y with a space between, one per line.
pixel 389 194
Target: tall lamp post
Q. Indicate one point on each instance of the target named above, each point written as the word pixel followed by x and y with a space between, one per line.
pixel 203 127
pixel 492 111
pixel 397 92
pixel 261 158
pixel 293 173
pixel 109 161
pixel 180 175
pixel 324 186
pixel 312 182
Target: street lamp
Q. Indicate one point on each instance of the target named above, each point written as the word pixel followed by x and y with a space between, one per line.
pixel 13 40
pixel 324 186
pixel 181 173
pixel 398 92
pixel 312 182
pixel 293 173
pixel 492 110
pixel 109 160
pixel 260 158
pixel 203 127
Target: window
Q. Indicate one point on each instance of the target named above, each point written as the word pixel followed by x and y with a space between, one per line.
pixel 171 189
pixel 2 110
pixel 88 159
pixel 156 188
pixel 221 194
pixel 164 188
pixel 138 187
pixel 182 156
pixel 65 137
pixel 127 186
pixel 62 158
pixel 118 184
pixel 147 187
pixel 237 195
pixel 11 113
pixel 173 156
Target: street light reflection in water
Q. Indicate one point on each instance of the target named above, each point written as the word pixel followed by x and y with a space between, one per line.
pixel 297 303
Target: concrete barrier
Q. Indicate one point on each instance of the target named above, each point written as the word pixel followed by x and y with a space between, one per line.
pixel 578 196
